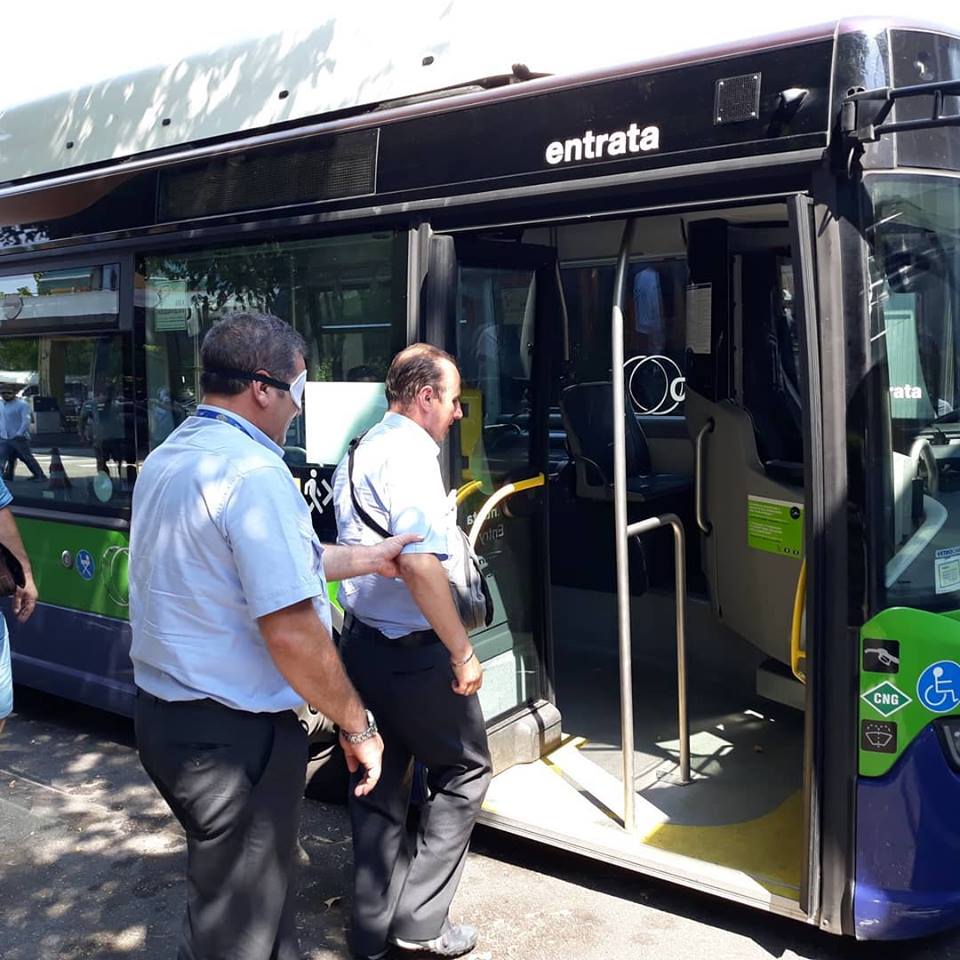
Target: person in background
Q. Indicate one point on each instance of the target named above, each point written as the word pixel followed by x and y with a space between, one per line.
pixel 15 417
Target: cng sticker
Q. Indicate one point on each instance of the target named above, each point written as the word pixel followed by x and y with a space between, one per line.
pixel 886 699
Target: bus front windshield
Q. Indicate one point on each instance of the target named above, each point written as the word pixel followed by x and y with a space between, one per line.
pixel 913 231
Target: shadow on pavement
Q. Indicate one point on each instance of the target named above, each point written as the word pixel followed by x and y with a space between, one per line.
pixel 92 866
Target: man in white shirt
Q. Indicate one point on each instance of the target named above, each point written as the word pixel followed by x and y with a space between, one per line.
pixel 15 416
pixel 231 633
pixel 411 659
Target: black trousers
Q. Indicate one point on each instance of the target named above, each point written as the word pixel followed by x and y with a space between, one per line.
pixel 398 890
pixel 19 448
pixel 234 780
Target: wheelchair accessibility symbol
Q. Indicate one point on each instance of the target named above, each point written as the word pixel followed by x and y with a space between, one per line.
pixel 85 565
pixel 938 688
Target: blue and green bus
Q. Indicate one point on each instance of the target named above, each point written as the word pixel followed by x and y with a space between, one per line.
pixel 707 312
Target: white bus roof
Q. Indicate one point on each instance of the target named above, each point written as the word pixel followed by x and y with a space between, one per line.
pixel 275 81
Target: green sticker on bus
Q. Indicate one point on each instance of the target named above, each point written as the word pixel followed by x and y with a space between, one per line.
pixel 775 526
pixel 901 648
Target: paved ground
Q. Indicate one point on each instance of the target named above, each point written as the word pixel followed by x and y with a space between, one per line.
pixel 91 867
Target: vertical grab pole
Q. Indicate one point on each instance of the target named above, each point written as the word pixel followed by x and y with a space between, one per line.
pixel 620 514
pixel 679 558
pixel 680 570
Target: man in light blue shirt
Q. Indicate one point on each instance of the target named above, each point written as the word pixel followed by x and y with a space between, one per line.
pixel 231 632
pixel 410 657
pixel 15 416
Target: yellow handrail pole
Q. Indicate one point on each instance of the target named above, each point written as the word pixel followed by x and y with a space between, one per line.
pixel 501 495
pixel 466 490
pixel 797 653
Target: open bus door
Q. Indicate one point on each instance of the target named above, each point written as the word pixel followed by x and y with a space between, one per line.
pixel 490 305
pixel 752 414
pixel 715 794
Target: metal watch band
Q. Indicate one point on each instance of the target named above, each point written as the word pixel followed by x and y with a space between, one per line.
pixel 367 734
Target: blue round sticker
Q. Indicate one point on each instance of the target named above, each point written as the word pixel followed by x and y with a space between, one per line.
pixel 85 565
pixel 938 688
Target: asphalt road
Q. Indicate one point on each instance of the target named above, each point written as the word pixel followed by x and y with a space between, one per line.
pixel 91 866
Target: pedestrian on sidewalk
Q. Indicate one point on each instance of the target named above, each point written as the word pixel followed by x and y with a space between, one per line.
pixel 15 417
pixel 24 598
pixel 231 634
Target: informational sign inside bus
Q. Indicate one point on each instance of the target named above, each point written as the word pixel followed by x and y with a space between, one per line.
pixel 775 526
pixel 909 676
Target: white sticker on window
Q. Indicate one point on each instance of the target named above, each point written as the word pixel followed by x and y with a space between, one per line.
pixel 947 569
pixel 335 413
pixel 699 313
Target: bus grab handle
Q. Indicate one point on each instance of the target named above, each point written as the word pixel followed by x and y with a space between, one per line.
pixel 706 527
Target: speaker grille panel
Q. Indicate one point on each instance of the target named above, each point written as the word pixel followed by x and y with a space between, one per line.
pixel 737 99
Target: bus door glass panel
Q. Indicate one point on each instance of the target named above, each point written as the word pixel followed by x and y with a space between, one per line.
pixel 913 228
pixel 345 295
pixel 69 417
pixel 496 311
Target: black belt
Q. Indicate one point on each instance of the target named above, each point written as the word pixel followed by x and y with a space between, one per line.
pixel 357 628
pixel 206 703
pixel 143 695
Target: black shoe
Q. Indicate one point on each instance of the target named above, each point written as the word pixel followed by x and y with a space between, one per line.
pixel 455 941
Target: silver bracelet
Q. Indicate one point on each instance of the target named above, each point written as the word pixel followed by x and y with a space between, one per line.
pixel 367 734
pixel 463 663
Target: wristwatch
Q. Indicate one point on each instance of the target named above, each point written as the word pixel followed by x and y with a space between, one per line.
pixel 367 734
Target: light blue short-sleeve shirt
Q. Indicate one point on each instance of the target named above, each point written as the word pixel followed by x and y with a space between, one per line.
pixel 398 482
pixel 220 536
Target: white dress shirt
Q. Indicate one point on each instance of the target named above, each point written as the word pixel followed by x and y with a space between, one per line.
pixel 397 479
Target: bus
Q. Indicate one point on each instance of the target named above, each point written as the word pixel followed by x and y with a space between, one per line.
pixel 707 314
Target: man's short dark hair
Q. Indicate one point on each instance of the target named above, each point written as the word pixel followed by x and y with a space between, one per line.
pixel 248 342
pixel 414 368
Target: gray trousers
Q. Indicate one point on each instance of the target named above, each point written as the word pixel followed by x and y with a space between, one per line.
pixel 234 780
pixel 404 888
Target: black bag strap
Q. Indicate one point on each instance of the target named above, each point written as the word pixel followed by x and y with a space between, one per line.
pixel 361 513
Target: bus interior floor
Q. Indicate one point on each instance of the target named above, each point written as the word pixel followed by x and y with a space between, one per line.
pixel 742 807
